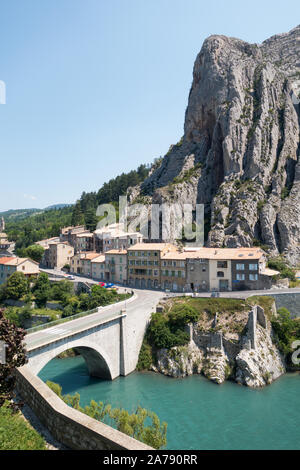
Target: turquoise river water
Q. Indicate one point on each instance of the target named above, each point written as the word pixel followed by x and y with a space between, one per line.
pixel 199 413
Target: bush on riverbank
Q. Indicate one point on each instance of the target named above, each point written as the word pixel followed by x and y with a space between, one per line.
pixel 16 433
pixel 143 425
pixel 286 330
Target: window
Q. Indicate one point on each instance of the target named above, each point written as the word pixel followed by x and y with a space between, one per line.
pixel 222 264
pixel 240 277
pixel 253 277
pixel 220 274
pixel 240 267
pixel 203 269
pixel 253 267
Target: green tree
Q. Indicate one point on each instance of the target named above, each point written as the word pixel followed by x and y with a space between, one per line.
pixel 91 219
pixel 17 285
pixel 62 291
pixel 77 215
pixel 35 252
pixel 42 290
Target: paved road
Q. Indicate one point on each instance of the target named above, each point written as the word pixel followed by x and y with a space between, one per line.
pixel 138 310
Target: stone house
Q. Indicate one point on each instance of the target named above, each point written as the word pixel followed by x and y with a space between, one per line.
pixel 98 268
pixel 116 266
pixel 57 255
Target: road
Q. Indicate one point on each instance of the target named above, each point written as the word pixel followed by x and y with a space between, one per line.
pixel 138 310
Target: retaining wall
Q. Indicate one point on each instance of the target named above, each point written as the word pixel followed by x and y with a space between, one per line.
pixel 69 426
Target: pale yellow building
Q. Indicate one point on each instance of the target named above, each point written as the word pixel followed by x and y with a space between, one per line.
pixel 9 265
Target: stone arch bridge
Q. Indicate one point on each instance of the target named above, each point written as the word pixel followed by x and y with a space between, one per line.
pixel 108 340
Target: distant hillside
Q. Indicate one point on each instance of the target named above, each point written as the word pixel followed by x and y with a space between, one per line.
pixel 20 214
pixel 57 206
pixel 26 226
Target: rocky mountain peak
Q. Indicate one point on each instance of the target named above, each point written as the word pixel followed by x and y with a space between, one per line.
pixel 242 132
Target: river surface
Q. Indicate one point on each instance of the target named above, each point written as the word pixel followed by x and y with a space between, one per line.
pixel 199 413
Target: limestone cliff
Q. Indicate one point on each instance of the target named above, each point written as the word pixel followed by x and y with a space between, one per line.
pixel 239 154
pixel 244 353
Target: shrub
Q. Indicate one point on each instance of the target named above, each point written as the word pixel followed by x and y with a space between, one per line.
pixel 143 424
pixel 145 357
pixel 17 285
pixel 282 267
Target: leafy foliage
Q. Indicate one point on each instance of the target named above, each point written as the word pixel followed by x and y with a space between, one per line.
pixel 41 290
pixel 143 425
pixel 167 331
pixel 287 330
pixel 12 336
pixel 16 286
pixel 279 265
pixel 35 252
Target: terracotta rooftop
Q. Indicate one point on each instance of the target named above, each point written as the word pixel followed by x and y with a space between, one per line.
pixel 88 255
pixel 116 252
pixel 226 253
pixel 98 259
pixel 151 246
pixel 15 261
pixel 5 259
pixel 216 253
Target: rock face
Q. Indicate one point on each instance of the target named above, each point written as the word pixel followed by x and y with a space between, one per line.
pixel 252 360
pixel 241 135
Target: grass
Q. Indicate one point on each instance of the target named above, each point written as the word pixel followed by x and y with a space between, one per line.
pixel 17 434
pixel 212 306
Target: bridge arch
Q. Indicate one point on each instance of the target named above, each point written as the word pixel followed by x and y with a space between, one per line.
pixel 97 361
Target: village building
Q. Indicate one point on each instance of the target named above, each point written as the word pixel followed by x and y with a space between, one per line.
pixel 173 271
pixel 9 265
pixel 81 263
pixel 144 264
pixel 57 255
pixel 98 268
pixel 116 266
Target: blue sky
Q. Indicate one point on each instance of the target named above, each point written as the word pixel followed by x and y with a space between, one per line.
pixel 95 87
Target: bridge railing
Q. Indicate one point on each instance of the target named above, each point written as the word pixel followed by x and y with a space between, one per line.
pixel 43 326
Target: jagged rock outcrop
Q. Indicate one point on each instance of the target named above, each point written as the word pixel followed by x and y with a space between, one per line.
pixel 241 132
pixel 250 358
